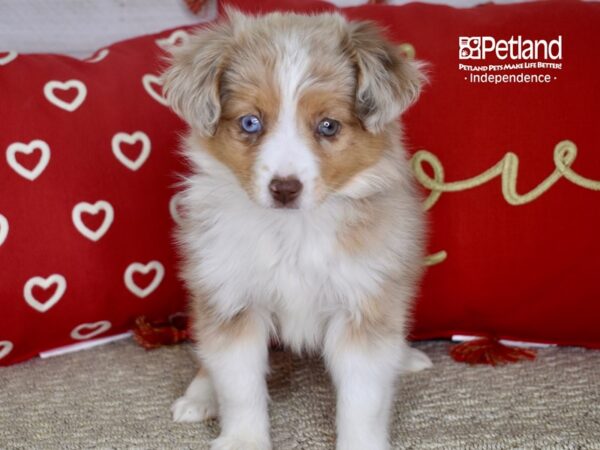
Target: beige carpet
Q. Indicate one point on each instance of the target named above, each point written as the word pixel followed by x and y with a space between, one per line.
pixel 118 396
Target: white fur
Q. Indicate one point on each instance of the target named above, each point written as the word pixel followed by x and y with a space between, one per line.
pixel 198 403
pixel 285 154
pixel 239 381
pixel 286 265
pixel 285 269
pixel 364 380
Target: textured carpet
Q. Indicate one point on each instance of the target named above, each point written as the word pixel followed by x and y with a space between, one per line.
pixel 118 396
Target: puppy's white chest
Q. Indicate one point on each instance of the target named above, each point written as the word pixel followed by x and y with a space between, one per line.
pixel 301 281
pixel 260 258
pixel 285 267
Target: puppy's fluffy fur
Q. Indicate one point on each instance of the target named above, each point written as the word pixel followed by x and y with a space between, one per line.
pixel 332 270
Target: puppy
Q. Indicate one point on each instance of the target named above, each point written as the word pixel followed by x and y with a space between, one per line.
pixel 302 222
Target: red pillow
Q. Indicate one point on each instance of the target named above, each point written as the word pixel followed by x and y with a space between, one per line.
pixel 86 187
pixel 87 176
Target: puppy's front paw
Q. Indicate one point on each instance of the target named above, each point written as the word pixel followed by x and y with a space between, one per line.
pixel 194 409
pixel 375 443
pixel 240 443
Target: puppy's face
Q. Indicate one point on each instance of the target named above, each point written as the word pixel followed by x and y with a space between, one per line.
pixel 295 106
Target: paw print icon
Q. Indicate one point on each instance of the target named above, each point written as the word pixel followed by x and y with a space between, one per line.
pixel 469 47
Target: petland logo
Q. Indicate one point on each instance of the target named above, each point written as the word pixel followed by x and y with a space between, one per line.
pixel 515 48
pixel 485 59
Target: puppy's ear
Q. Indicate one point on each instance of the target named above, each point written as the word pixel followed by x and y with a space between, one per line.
pixel 191 83
pixel 387 84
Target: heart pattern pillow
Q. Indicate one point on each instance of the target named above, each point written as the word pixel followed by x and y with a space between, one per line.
pixel 87 195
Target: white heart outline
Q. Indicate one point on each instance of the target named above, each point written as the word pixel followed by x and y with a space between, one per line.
pixel 71 106
pixel 61 287
pixel 169 42
pixel 5 348
pixel 131 139
pixel 144 269
pixel 176 315
pixel 101 326
pixel 148 81
pixel 93 209
pixel 21 147
pixel 97 56
pixel 11 56
pixel 3 229
pixel 173 210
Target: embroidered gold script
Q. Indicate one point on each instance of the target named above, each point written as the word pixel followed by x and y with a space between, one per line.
pixel 507 168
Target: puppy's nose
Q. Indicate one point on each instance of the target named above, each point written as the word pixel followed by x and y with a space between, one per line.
pixel 285 190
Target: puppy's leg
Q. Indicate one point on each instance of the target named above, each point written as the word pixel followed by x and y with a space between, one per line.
pixel 364 366
pixel 236 357
pixel 199 401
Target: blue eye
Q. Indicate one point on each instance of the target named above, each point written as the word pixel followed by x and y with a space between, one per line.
pixel 328 127
pixel 250 124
